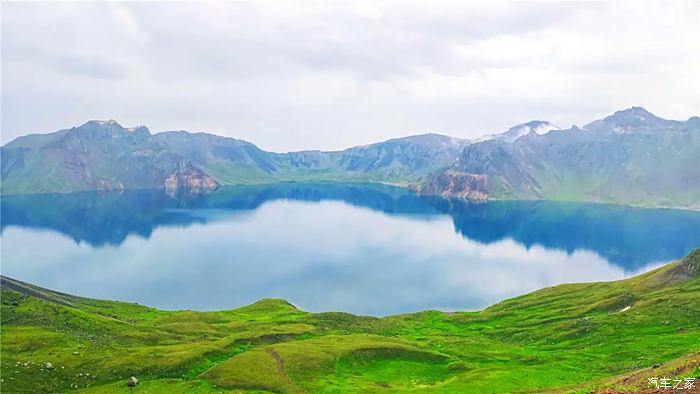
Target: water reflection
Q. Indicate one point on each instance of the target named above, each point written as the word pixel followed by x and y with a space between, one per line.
pixel 628 237
pixel 354 247
pixel 107 218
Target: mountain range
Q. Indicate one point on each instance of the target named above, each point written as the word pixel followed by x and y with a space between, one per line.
pixel 629 157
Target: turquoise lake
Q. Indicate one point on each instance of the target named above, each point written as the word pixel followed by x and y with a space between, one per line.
pixel 360 248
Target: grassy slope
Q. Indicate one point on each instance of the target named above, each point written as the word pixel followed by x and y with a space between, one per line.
pixel 569 337
pixel 229 174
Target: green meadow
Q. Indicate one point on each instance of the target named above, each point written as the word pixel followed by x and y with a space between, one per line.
pixel 567 338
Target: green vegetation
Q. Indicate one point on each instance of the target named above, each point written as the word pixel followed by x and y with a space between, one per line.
pixel 574 337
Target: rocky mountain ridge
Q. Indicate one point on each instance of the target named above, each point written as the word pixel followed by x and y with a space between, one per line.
pixel 631 156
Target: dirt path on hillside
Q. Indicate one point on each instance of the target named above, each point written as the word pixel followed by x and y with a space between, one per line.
pixel 280 368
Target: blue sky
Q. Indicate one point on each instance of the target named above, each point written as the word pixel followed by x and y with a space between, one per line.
pixel 328 75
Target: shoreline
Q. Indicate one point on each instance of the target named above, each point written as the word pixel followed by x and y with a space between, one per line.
pixel 394 184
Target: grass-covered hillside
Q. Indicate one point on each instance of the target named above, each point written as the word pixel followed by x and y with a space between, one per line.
pixel 575 337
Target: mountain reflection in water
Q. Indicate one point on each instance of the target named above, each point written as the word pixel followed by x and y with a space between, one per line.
pixel 366 248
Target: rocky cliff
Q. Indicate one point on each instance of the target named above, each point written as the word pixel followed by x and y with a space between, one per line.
pixel 190 178
pixel 455 184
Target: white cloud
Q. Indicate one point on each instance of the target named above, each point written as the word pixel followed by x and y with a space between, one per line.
pixel 127 23
pixel 329 75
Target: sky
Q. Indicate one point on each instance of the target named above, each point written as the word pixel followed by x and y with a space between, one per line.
pixel 332 74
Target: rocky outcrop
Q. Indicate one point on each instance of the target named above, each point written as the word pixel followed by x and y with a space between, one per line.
pixel 687 268
pixel 453 183
pixel 106 185
pixel 190 178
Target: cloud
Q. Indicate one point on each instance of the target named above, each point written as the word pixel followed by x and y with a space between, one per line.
pixel 334 74
pixel 127 24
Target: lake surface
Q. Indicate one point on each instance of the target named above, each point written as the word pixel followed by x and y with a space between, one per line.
pixel 361 248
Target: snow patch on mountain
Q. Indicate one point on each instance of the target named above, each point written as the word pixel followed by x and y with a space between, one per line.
pixel 538 127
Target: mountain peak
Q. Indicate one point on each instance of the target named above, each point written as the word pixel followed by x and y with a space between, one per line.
pixel 538 127
pixel 630 119
pixel 96 122
pixel 112 125
pixel 633 113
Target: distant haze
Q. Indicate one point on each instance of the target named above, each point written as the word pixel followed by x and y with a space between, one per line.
pixel 329 75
